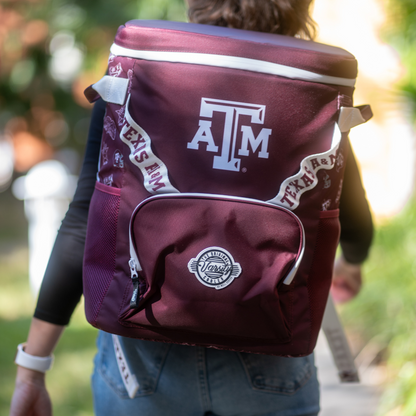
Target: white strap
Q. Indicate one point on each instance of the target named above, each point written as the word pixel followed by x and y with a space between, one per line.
pixel 112 89
pixel 154 171
pixel 349 117
pixel 306 179
pixel 338 344
pixel 233 62
pixel 129 379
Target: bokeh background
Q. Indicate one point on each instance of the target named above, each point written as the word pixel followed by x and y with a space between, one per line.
pixel 51 50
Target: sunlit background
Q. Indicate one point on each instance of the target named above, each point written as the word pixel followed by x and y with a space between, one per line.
pixel 51 50
pixel 385 147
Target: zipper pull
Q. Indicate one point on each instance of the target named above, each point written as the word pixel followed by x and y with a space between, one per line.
pixel 133 269
pixel 134 302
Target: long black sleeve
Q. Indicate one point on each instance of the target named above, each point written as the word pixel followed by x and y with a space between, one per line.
pixel 62 284
pixel 354 215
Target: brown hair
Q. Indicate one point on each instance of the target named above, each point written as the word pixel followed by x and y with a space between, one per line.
pixel 285 17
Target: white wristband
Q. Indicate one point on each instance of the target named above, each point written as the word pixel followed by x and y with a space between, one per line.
pixel 41 364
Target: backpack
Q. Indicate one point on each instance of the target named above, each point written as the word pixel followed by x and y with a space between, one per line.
pixel 214 220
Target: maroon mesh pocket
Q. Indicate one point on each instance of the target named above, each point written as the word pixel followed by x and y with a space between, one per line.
pixel 100 248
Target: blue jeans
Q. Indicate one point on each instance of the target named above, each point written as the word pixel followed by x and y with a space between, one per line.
pixel 178 380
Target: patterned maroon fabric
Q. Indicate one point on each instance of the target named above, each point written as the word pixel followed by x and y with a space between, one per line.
pixel 320 275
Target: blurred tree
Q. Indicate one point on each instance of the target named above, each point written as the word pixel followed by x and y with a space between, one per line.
pixel 50 51
pixel 401 34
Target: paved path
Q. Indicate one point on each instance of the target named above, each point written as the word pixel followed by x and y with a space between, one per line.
pixel 346 399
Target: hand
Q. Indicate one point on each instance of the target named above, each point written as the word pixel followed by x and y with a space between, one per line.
pixel 346 280
pixel 30 397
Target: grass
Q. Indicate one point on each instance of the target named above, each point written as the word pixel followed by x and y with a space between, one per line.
pixel 68 381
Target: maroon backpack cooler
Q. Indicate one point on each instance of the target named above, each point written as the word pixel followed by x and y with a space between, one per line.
pixel 214 220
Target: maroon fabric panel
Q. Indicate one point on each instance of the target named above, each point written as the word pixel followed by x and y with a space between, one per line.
pixel 167 103
pixel 99 257
pixel 279 49
pixel 320 276
pixel 264 241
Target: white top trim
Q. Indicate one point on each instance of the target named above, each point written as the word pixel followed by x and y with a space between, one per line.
pixel 232 62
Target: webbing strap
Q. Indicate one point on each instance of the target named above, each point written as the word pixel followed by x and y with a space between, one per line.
pixel 129 379
pixel 110 89
pixel 338 344
pixel 350 117
pixel 306 179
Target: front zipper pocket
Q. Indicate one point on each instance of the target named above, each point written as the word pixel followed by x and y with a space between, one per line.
pixel 213 264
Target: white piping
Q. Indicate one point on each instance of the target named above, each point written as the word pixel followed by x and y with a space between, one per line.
pixel 233 62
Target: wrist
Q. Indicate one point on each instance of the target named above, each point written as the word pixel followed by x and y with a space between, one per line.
pixel 25 375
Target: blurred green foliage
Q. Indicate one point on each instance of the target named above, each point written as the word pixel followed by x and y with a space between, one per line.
pixel 384 314
pixel 401 34
pixel 40 42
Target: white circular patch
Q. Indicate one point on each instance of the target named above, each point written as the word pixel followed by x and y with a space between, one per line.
pixel 214 267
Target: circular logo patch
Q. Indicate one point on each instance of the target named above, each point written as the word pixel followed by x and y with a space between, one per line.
pixel 214 267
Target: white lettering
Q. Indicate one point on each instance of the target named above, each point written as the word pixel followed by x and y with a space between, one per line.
pixel 262 139
pixel 232 111
pixel 203 134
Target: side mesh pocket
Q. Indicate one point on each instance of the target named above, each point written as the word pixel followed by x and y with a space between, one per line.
pixel 100 248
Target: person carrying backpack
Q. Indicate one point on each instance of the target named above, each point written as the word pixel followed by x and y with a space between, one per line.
pixel 143 377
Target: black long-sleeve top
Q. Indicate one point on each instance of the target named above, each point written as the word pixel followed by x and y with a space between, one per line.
pixel 62 285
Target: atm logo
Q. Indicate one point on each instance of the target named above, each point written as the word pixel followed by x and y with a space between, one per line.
pixel 237 139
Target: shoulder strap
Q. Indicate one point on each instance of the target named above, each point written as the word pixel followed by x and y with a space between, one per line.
pixel 306 179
